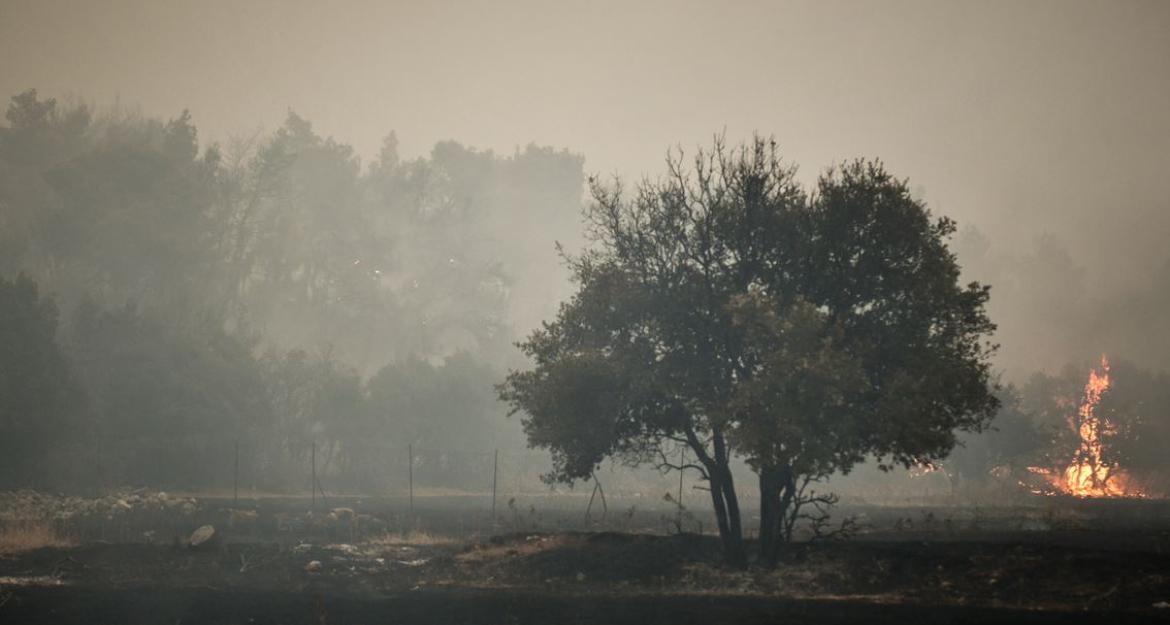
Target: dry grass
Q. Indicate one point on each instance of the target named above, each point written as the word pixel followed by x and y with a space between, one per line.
pixel 412 538
pixel 534 544
pixel 27 535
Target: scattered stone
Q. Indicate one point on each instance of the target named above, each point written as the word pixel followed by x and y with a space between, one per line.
pixel 201 536
pixel 314 566
pixel 28 504
pixel 242 518
pixel 347 549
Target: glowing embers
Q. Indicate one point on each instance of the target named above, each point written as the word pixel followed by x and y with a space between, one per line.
pixel 1088 474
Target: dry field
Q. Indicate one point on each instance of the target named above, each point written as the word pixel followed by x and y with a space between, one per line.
pixel 276 563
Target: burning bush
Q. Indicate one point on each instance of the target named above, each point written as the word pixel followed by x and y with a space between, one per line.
pixel 1106 431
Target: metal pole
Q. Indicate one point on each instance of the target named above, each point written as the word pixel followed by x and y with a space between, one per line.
pixel 682 459
pixel 236 479
pixel 495 475
pixel 410 470
pixel 313 455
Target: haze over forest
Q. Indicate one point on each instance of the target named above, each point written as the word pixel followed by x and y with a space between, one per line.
pixel 617 311
pixel 1041 124
pixel 459 137
pixel 1018 119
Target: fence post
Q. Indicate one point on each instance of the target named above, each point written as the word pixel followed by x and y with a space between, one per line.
pixel 236 478
pixel 410 474
pixel 682 460
pixel 597 489
pixel 495 475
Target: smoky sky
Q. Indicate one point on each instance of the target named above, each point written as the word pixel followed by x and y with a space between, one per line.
pixel 1042 127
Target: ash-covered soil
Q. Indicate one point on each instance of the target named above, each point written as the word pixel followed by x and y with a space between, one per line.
pixel 317 573
pixel 602 577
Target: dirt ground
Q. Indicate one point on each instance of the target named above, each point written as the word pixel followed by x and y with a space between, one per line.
pixel 929 566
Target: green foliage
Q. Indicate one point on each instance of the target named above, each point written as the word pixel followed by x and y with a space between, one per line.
pixel 726 308
pixel 37 389
pixel 879 265
pixel 185 263
pixel 1008 446
pixel 284 232
pixel 1137 406
pixel 168 402
pixel 316 399
pixel 801 406
pixel 1133 411
pixel 738 296
pixel 447 406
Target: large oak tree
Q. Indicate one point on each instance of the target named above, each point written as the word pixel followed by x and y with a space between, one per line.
pixel 726 309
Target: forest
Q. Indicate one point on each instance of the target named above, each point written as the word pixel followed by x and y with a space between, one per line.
pixel 171 302
pixel 165 301
pixel 659 312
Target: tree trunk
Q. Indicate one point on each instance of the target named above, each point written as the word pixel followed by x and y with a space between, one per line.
pixel 733 546
pixel 777 491
pixel 723 498
pixel 727 514
pixel 769 512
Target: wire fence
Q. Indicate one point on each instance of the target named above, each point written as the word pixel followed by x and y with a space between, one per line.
pixel 422 473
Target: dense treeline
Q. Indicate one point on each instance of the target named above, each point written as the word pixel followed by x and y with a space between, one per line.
pixel 164 300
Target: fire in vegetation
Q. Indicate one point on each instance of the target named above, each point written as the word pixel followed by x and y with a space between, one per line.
pixel 1088 474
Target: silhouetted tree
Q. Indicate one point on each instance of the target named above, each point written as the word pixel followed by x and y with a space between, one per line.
pixel 725 309
pixel 169 402
pixel 1013 442
pixel 38 394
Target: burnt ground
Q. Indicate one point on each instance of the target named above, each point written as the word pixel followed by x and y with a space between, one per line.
pixel 1096 573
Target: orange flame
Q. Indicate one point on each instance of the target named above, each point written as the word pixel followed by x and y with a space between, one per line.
pixel 1088 474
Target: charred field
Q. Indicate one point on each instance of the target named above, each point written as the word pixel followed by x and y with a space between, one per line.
pixel 369 561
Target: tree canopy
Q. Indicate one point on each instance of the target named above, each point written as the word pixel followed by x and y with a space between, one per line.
pixel 726 309
pixel 244 292
pixel 38 393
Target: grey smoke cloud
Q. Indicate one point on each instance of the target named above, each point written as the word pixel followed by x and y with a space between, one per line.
pixel 1042 125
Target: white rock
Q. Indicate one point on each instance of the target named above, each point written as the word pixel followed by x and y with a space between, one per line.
pixel 201 535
